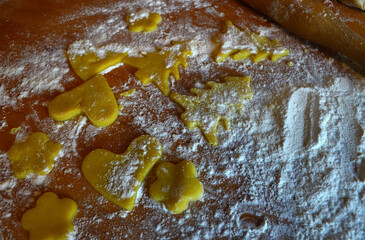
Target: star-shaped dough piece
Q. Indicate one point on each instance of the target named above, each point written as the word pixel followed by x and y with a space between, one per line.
pixel 94 98
pixel 176 185
pixel 143 21
pixel 241 44
pixel 51 218
pixel 119 176
pixel 156 67
pixel 35 155
pixel 87 60
pixel 208 107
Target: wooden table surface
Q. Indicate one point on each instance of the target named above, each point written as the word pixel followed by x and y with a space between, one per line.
pixel 40 24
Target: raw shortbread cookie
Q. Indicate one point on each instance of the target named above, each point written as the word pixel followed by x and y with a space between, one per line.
pixel 51 218
pixel 36 155
pixel 176 185
pixel 156 67
pixel 94 98
pixel 119 176
pixel 216 104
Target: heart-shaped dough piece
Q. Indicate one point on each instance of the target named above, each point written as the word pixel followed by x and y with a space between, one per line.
pixel 94 98
pixel 119 176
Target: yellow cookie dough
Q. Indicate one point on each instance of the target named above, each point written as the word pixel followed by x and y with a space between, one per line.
pixel 128 93
pixel 35 155
pixel 94 98
pixel 51 219
pixel 143 21
pixel 156 67
pixel 88 60
pixel 241 44
pixel 176 185
pixel 15 130
pixel 119 176
pixel 208 107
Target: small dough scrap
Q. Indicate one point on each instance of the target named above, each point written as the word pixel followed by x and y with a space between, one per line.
pixel 176 185
pixel 51 219
pixel 35 155
pixel 354 3
pixel 156 67
pixel 128 93
pixel 119 176
pixel 143 21
pixel 94 98
pixel 88 60
pixel 15 130
pixel 241 44
pixel 210 106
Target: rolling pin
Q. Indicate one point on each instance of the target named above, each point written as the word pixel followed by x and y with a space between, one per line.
pixel 313 21
pixel 360 4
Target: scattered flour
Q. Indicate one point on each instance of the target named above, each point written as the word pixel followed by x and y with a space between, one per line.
pixel 120 181
pixel 285 169
pixel 142 14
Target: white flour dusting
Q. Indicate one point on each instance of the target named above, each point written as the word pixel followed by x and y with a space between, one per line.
pixel 40 72
pixel 120 180
pixel 287 168
pixel 82 47
pixel 141 14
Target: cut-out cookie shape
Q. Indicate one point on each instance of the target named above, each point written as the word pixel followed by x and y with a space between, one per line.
pixel 144 21
pixel 88 60
pixel 35 155
pixel 176 185
pixel 210 106
pixel 156 67
pixel 51 218
pixel 94 98
pixel 119 176
pixel 241 44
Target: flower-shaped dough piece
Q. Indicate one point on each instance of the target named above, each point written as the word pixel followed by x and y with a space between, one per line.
pixel 144 21
pixel 35 155
pixel 156 67
pixel 241 44
pixel 51 219
pixel 119 176
pixel 88 60
pixel 211 106
pixel 94 98
pixel 176 185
